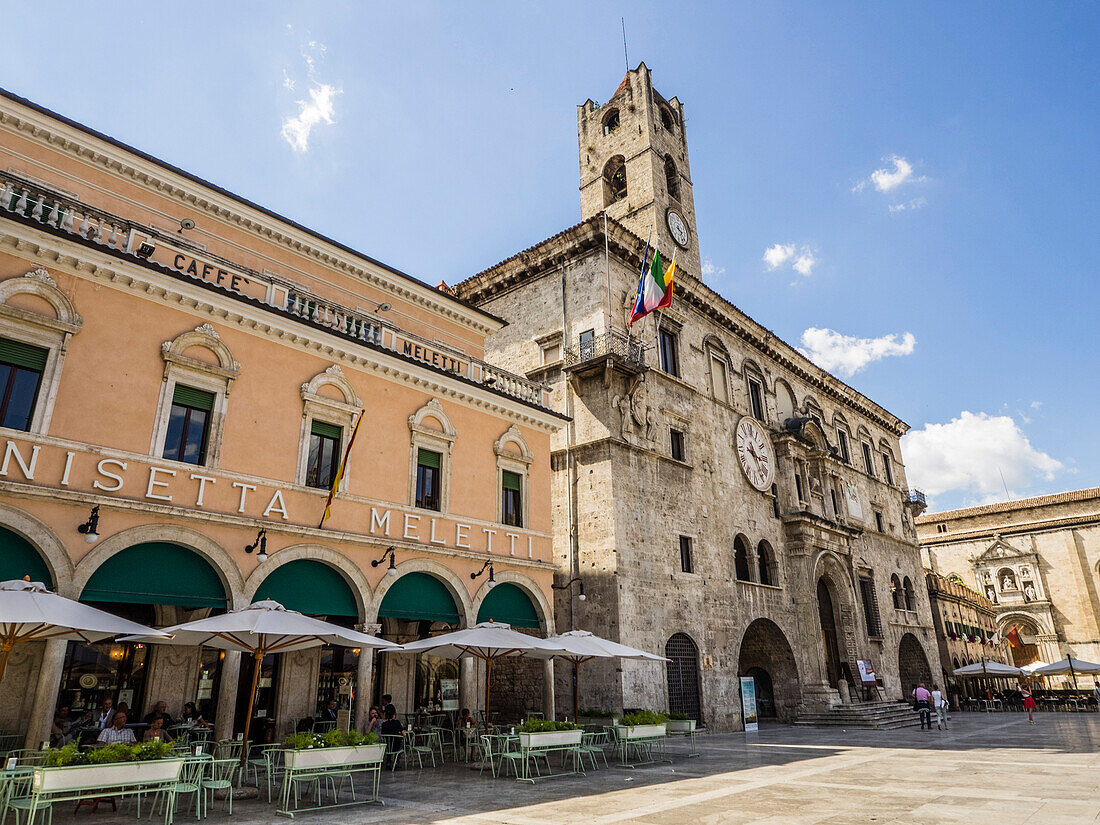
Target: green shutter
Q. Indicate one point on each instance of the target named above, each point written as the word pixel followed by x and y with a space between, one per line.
pixel 419 597
pixel 309 587
pixel 509 604
pixel 511 481
pixel 23 355
pixel 190 397
pixel 325 429
pixel 156 573
pixel 18 558
pixel 426 458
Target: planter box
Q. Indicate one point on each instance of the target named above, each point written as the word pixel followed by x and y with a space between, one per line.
pixel 602 721
pixel 550 738
pixel 680 725
pixel 640 731
pixel 80 777
pixel 330 757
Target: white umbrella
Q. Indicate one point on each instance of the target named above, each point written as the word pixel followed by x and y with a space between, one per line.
pixel 580 646
pixel 31 613
pixel 261 628
pixel 486 641
pixel 985 668
pixel 1068 665
pixel 1034 666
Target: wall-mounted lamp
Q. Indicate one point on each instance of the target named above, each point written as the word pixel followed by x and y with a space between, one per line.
pixel 261 543
pixel 492 582
pixel 90 528
pixel 383 307
pixel 568 584
pixel 392 569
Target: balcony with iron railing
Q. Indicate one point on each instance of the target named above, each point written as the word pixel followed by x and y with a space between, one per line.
pixel 27 199
pixel 624 350
pixel 916 502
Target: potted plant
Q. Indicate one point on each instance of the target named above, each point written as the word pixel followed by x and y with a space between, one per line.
pixel 597 716
pixel 680 723
pixel 335 747
pixel 642 724
pixel 541 733
pixel 66 768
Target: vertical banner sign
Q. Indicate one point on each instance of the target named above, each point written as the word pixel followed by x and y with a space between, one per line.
pixel 449 690
pixel 748 703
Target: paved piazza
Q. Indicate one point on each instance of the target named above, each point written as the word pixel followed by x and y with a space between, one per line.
pixel 987 769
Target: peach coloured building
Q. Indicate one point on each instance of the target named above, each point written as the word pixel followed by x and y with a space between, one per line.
pixel 193 365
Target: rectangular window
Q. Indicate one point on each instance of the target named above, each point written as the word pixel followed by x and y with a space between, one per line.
pixel 845 453
pixel 588 343
pixel 836 503
pixel 21 367
pixel 511 501
pixel 551 353
pixel 868 459
pixel 719 379
pixel 798 486
pixel 870 606
pixel 188 425
pixel 670 361
pixel 878 522
pixel 324 454
pixel 887 470
pixel 685 555
pixel 428 480
pixel 676 442
pixel 756 400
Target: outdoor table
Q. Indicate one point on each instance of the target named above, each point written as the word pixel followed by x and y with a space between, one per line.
pixel 544 751
pixel 646 750
pixel 690 734
pixel 469 736
pixel 291 774
pixel 48 787
pixel 991 704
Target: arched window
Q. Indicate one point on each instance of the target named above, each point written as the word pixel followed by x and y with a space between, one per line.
pixel 667 120
pixel 910 596
pixel 611 121
pixel 895 592
pixel 766 563
pixel 614 180
pixel 742 568
pixel 784 401
pixel 672 179
pixel 683 676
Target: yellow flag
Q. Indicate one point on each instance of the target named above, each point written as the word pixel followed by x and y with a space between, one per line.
pixel 340 470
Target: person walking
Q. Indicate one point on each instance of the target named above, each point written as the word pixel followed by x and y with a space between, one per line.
pixel 939 707
pixel 923 705
pixel 1029 703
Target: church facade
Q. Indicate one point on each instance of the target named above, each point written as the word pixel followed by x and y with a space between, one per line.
pixel 717 497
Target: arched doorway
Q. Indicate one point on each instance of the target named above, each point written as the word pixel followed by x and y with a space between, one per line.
pixel 767 656
pixel 518 681
pixel 831 647
pixel 683 676
pixel 157 584
pixel 316 589
pixel 913 666
pixel 1022 637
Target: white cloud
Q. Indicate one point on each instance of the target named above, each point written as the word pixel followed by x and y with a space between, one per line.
pixel 710 269
pixel 887 179
pixel 846 355
pixel 976 455
pixel 287 82
pixel 800 258
pixel 1036 405
pixel 908 206
pixel 313 112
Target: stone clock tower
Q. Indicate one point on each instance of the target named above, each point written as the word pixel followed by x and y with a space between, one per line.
pixel 634 164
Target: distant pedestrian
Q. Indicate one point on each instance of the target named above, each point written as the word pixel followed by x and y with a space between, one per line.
pixel 939 707
pixel 923 704
pixel 1029 703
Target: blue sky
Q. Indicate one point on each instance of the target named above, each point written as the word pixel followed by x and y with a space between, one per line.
pixel 908 191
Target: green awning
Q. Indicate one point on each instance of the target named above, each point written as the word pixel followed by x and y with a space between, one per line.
pixel 310 587
pixel 156 573
pixel 508 603
pixel 190 397
pixel 18 558
pixel 419 597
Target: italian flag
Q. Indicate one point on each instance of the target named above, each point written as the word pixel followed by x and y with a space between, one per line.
pixel 654 287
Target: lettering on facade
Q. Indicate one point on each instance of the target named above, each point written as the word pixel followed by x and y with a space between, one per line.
pixel 430 356
pixel 208 272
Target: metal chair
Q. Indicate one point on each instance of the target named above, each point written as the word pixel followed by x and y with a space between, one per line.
pixel 219 777
pixel 593 745
pixel 395 749
pixel 419 744
pixel 190 782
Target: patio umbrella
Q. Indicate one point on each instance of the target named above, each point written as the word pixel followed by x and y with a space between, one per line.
pixel 486 641
pixel 1069 665
pixel 984 668
pixel 261 628
pixel 31 613
pixel 580 646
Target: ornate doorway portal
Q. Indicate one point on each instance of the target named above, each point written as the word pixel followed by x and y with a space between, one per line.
pixel 829 642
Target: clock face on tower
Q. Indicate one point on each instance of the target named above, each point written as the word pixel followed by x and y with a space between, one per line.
pixel 677 227
pixel 754 451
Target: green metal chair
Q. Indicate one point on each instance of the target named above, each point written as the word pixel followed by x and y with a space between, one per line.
pixel 593 745
pixel 420 745
pixel 219 777
pixel 395 749
pixel 275 758
pixel 19 800
pixel 190 783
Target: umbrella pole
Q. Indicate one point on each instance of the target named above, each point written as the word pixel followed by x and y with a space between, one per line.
pixel 9 643
pixel 258 658
pixel 1069 659
pixel 488 680
pixel 576 680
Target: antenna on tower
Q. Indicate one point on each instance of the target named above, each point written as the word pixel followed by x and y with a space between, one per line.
pixel 626 57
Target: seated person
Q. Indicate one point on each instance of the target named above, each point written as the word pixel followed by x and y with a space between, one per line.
pixel 60 732
pixel 117 732
pixel 191 716
pixel 156 731
pixel 466 719
pixel 374 720
pixel 305 725
pixel 329 713
pixel 159 709
pixel 392 727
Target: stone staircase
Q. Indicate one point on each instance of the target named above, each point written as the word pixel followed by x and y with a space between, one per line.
pixel 868 715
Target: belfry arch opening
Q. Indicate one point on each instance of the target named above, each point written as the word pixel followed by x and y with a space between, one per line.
pixel 614 180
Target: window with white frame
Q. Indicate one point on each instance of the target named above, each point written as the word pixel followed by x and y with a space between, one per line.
pixel 514 459
pixel 719 379
pixel 887 468
pixel 330 410
pixel 756 397
pixel 868 458
pixel 842 441
pixel 32 348
pixel 432 437
pixel 194 398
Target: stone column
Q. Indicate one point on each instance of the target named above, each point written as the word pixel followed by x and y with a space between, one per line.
pixel 227 695
pixel 548 705
pixel 364 683
pixel 468 694
pixel 45 693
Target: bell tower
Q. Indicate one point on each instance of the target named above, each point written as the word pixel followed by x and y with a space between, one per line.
pixel 634 164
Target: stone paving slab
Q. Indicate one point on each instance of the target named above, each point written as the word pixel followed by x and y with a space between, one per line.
pixel 988 768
